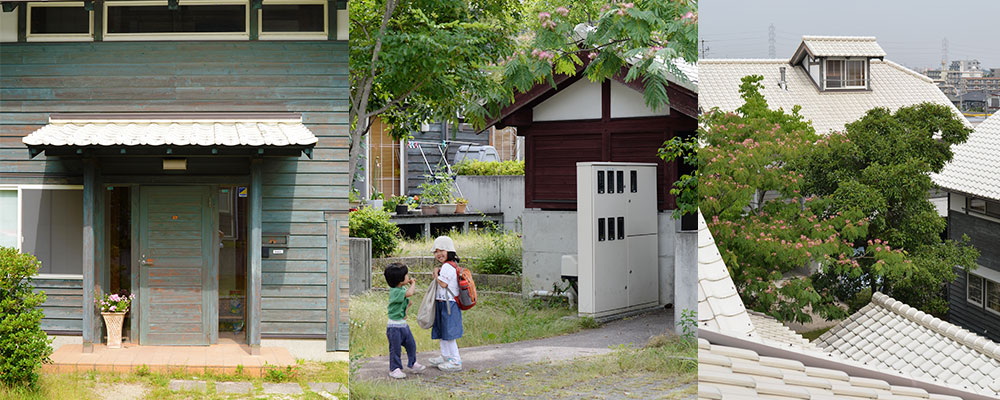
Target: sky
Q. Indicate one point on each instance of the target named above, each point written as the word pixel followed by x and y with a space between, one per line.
pixel 910 31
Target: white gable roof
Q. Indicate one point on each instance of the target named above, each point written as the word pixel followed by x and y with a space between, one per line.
pixel 975 169
pixel 892 86
pixel 842 46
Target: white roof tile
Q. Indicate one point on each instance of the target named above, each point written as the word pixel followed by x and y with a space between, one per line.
pixel 843 46
pixel 920 346
pixel 163 132
pixel 893 86
pixel 975 168
pixel 720 307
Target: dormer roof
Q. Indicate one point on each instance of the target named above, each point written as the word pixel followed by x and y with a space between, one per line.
pixel 837 46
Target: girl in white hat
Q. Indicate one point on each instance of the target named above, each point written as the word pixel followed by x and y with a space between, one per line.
pixel 448 317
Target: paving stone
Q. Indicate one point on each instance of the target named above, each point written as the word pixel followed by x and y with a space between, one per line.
pixel 180 384
pixel 282 388
pixel 331 387
pixel 233 387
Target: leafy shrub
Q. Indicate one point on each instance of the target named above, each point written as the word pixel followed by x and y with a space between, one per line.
pixel 475 167
pixel 23 344
pixel 373 223
pixel 502 255
pixel 437 190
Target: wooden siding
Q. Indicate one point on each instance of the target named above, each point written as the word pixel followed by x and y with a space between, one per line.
pixel 416 168
pixel 63 304
pixel 984 236
pixel 239 76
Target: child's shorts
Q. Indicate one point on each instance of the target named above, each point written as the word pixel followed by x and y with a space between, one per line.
pixel 446 327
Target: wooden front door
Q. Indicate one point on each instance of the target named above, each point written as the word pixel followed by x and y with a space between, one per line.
pixel 176 269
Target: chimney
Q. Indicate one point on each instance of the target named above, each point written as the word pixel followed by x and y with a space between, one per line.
pixel 781 83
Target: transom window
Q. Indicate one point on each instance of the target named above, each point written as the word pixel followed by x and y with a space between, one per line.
pixel 293 19
pixel 974 291
pixel 845 74
pixel 992 296
pixel 153 20
pixel 983 206
pixel 63 21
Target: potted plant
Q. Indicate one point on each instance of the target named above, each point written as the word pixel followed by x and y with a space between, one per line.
pixel 399 204
pixel 376 200
pixel 113 309
pixel 460 204
pixel 437 195
pixel 353 199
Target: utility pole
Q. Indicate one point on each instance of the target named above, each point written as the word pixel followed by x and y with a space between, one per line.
pixel 704 49
pixel 770 40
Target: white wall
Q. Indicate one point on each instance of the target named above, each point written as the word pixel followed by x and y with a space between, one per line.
pixel 627 102
pixel 8 25
pixel 581 100
pixel 342 25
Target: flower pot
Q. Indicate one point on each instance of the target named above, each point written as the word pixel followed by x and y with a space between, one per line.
pixel 376 204
pixel 402 209
pixel 460 208
pixel 446 208
pixel 113 322
pixel 429 209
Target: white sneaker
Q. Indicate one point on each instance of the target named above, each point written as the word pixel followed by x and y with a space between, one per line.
pixel 416 368
pixel 450 366
pixel 436 361
pixel 397 373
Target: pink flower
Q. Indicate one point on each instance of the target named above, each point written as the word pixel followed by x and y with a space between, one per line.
pixel 690 15
pixel 542 16
pixel 563 11
pixel 112 308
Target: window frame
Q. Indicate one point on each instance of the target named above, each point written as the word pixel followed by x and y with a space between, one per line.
pixel 986 294
pixel 261 35
pixel 166 36
pixel 986 206
pixel 57 37
pixel 20 218
pixel 843 73
pixel 982 289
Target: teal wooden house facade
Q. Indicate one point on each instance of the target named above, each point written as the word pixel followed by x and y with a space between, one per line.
pixel 191 153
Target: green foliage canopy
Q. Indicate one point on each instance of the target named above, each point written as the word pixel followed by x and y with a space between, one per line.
pixel 23 344
pixel 373 223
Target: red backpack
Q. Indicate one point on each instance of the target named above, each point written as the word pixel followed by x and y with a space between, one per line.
pixel 466 297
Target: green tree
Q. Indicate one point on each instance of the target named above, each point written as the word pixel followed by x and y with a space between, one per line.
pixel 881 165
pixel 23 344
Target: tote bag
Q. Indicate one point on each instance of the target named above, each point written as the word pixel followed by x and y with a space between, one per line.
pixel 425 315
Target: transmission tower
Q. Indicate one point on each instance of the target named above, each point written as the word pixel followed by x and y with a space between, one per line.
pixel 704 49
pixel 770 41
pixel 944 54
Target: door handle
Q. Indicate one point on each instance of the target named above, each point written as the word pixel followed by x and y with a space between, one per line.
pixel 143 261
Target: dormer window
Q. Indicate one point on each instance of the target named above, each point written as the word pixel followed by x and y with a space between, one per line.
pixel 845 74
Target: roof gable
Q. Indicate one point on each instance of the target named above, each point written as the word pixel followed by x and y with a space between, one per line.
pixel 973 169
pixel 837 46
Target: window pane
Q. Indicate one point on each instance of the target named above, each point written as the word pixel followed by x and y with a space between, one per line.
pixel 292 18
pixel 52 225
pixel 993 209
pixel 186 19
pixel 60 20
pixel 993 295
pixel 834 73
pixel 855 73
pixel 975 290
pixel 977 205
pixel 8 218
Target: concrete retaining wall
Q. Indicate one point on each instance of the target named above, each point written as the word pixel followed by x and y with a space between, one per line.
pixel 361 265
pixel 492 194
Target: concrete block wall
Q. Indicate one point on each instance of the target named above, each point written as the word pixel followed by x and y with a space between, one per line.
pixel 493 194
pixel 361 265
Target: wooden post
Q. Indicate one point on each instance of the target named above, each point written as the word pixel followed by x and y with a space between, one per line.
pixel 256 243
pixel 90 325
pixel 338 258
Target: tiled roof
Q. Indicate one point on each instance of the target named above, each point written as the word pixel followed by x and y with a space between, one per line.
pixel 975 169
pixel 889 335
pixel 771 330
pixel 843 46
pixel 893 86
pixel 736 373
pixel 720 307
pixel 160 131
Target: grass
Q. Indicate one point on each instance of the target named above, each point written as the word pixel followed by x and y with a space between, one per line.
pixel 88 385
pixel 664 369
pixel 814 334
pixel 495 319
pixel 472 244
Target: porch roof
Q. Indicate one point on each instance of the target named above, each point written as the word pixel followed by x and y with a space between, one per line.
pixel 166 129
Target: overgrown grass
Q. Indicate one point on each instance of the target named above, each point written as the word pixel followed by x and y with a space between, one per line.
pixel 486 250
pixel 495 319
pixel 87 385
pixel 665 369
pixel 814 334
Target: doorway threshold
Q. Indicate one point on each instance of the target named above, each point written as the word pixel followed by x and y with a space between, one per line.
pixel 222 358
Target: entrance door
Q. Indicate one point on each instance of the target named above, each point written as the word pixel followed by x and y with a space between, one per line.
pixel 176 285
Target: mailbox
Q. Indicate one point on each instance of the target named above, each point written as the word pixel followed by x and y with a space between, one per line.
pixel 274 245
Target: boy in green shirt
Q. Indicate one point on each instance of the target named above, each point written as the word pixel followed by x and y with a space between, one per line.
pixel 397 330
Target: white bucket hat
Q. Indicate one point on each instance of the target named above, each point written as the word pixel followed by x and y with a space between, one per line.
pixel 443 243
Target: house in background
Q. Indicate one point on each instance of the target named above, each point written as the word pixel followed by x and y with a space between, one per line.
pixel 580 121
pixel 191 153
pixel 836 80
pixel 972 180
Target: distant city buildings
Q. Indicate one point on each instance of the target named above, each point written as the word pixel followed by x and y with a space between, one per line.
pixel 970 87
